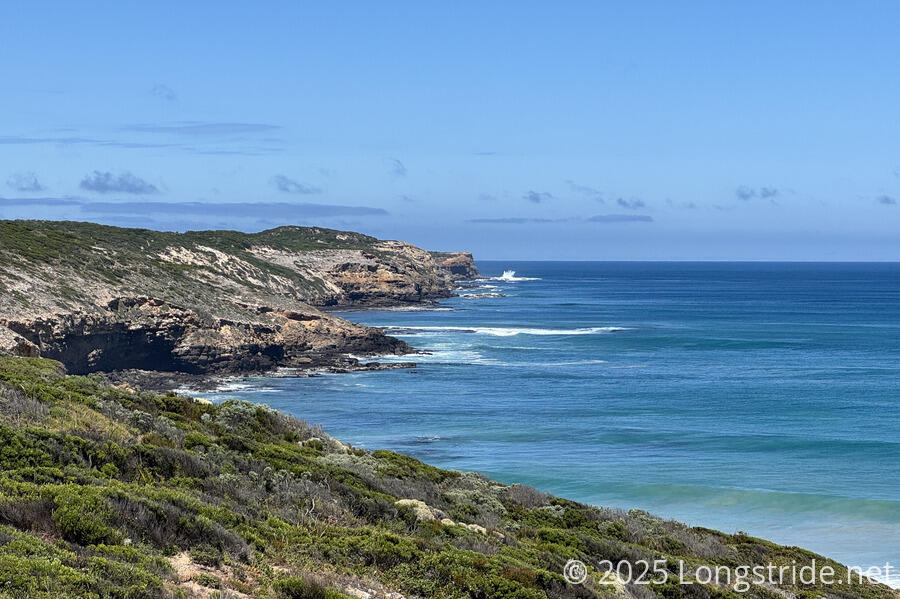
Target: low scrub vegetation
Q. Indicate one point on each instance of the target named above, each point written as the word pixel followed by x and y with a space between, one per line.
pixel 113 492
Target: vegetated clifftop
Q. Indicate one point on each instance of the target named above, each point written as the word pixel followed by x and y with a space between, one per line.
pixel 107 298
pixel 116 492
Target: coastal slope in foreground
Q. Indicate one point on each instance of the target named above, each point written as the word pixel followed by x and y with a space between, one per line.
pixel 102 298
pixel 109 491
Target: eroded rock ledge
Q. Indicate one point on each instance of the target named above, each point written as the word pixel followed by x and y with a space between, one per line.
pixel 103 298
pixel 152 334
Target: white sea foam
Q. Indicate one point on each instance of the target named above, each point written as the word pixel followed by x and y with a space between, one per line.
pixel 187 391
pixel 417 309
pixel 248 387
pixel 509 276
pixel 889 578
pixel 464 355
pixel 233 386
pixel 386 357
pixel 458 356
pixel 481 295
pixel 435 355
pixel 502 331
pixel 228 386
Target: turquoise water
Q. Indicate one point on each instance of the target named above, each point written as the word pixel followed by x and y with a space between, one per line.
pixel 754 397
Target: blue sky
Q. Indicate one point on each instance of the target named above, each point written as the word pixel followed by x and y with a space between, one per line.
pixel 579 130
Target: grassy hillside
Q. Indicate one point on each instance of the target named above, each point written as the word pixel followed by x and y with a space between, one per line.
pixel 112 252
pixel 141 260
pixel 69 241
pixel 113 492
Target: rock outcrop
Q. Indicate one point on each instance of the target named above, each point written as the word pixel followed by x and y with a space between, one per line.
pixel 456 265
pixel 14 344
pixel 103 298
pixel 152 334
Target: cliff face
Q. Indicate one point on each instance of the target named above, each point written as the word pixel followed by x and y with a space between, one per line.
pixel 107 298
pixel 459 265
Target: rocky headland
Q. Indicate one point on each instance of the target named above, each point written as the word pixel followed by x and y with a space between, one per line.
pixel 100 298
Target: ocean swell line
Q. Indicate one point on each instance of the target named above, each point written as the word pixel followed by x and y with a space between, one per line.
pixel 501 331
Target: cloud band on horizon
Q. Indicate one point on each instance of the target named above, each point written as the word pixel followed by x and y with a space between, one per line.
pixel 599 218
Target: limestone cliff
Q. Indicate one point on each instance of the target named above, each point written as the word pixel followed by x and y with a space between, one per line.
pixel 459 265
pixel 108 298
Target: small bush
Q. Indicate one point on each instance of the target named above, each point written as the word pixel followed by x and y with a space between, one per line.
pixel 297 587
pixel 206 555
pixel 17 406
pixel 26 514
pixel 402 466
pixel 524 496
pixel 110 470
pixel 205 580
pixel 81 515
pixel 194 440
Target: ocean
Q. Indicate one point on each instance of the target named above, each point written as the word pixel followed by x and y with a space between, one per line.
pixel 760 397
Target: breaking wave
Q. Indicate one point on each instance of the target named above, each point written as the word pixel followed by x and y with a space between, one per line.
pixel 509 276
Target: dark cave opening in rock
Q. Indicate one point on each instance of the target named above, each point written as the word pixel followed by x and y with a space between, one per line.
pixel 119 350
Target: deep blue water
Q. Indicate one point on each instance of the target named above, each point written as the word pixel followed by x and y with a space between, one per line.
pixel 739 396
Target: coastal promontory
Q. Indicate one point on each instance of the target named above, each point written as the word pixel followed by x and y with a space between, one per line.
pixel 101 298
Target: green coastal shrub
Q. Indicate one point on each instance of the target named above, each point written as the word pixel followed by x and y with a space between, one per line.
pixel 195 439
pixel 81 515
pixel 18 451
pixel 104 488
pixel 110 470
pixel 297 587
pixel 206 555
pixel 208 581
pixel 402 466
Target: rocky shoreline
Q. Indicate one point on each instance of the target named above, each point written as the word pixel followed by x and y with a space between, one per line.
pixel 202 305
pixel 162 380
